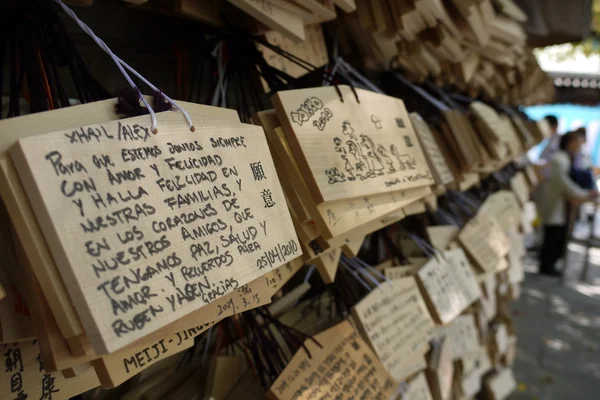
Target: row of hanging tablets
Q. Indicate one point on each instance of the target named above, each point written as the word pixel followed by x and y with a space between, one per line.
pixel 156 263
pixel 120 246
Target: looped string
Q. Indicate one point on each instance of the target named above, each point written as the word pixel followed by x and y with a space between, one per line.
pixel 435 102
pixel 360 268
pixel 354 273
pixel 428 249
pixel 221 89
pixel 373 270
pixel 358 79
pixel 467 200
pixel 121 65
pixel 447 217
pixel 311 269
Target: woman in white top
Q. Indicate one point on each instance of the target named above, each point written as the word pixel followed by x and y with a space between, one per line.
pixel 560 192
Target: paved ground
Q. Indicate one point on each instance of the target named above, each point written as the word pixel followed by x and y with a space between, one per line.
pixel 558 330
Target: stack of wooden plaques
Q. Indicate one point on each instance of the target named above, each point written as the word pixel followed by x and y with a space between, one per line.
pixel 117 238
pixel 289 17
pixel 212 259
pixel 126 246
pixel 477 45
pixel 349 166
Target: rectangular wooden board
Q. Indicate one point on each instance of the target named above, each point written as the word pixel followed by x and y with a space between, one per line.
pixel 24 376
pixel 87 175
pixel 397 324
pixel 341 352
pixel 346 149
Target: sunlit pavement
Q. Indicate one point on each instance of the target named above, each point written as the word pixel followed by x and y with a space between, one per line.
pixel 558 331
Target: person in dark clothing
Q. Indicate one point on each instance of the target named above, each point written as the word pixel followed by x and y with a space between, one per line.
pixel 560 192
pixel 581 170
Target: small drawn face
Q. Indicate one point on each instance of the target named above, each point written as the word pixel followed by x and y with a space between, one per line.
pixel 337 141
pixel 347 128
pixel 351 147
pixel 364 141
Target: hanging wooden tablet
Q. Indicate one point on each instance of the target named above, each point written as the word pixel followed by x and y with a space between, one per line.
pixel 440 370
pixel 327 265
pixel 224 373
pixel 315 375
pixel 449 285
pixel 416 207
pixel 395 321
pixel 474 367
pixel 519 186
pixel 25 377
pixel 54 349
pixel 459 139
pixel 525 135
pixel 307 16
pixel 312 50
pixel 298 194
pixel 500 385
pixel 324 8
pixel 462 336
pixel 400 272
pixel 106 207
pixel 531 176
pixel 485 241
pixel 117 367
pixel 504 207
pixel 417 389
pixel 273 16
pixel 436 160
pixel 514 141
pixel 472 24
pixel 346 5
pixel 516 272
pixel 280 276
pixel 26 224
pixel 349 149
pixel 441 236
pixel 353 246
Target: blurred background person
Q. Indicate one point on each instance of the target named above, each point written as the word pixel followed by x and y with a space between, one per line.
pixel 560 193
pixel 553 140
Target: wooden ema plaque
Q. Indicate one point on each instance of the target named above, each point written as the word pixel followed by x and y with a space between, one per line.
pixel 24 376
pixel 485 241
pixel 449 284
pixel 396 322
pixel 313 50
pixel 273 16
pixel 399 272
pixel 343 366
pixel 501 384
pixel 516 273
pixel 519 186
pixel 417 389
pixel 462 336
pixel 117 367
pixel 347 149
pixel 435 158
pixel 26 224
pixel 339 219
pixel 441 370
pixel 504 207
pixel 163 224
pixel 442 236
